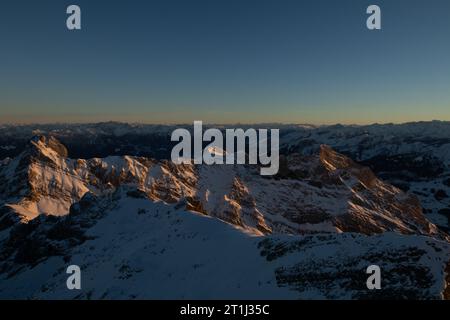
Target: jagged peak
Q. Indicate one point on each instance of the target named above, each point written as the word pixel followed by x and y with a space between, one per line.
pixel 334 160
pixel 49 143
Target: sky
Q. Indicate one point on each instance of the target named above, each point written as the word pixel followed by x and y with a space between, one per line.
pixel 225 61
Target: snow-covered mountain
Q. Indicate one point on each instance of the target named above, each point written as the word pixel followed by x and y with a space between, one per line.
pixel 322 192
pixel 414 156
pixel 146 228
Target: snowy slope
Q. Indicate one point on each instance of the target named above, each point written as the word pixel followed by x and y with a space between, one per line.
pixel 140 249
pixel 323 192
pixel 146 228
pixel 412 156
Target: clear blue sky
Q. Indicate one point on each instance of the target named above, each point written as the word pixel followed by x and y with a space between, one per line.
pixel 228 61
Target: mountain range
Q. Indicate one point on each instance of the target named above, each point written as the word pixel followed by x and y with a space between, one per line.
pixel 106 197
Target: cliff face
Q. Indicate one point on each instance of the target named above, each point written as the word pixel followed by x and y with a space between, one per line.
pixel 314 227
pixel 323 192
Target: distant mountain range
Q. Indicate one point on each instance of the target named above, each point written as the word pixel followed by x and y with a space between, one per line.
pixel 106 197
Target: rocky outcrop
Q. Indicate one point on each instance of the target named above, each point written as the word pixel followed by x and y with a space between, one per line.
pixel 324 192
pixel 446 293
pixel 339 217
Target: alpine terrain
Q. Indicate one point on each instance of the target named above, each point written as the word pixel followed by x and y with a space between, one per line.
pixel 141 227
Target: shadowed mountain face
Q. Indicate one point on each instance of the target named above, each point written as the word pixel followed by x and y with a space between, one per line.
pixel 414 157
pixel 321 192
pixel 128 221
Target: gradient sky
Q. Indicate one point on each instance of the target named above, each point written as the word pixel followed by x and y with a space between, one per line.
pixel 225 61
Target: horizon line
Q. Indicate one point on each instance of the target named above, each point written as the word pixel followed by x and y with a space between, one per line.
pixel 68 123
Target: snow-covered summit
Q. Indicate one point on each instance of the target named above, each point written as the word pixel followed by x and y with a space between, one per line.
pixel 146 228
pixel 322 192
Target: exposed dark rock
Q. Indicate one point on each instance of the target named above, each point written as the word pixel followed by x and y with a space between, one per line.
pixel 440 195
